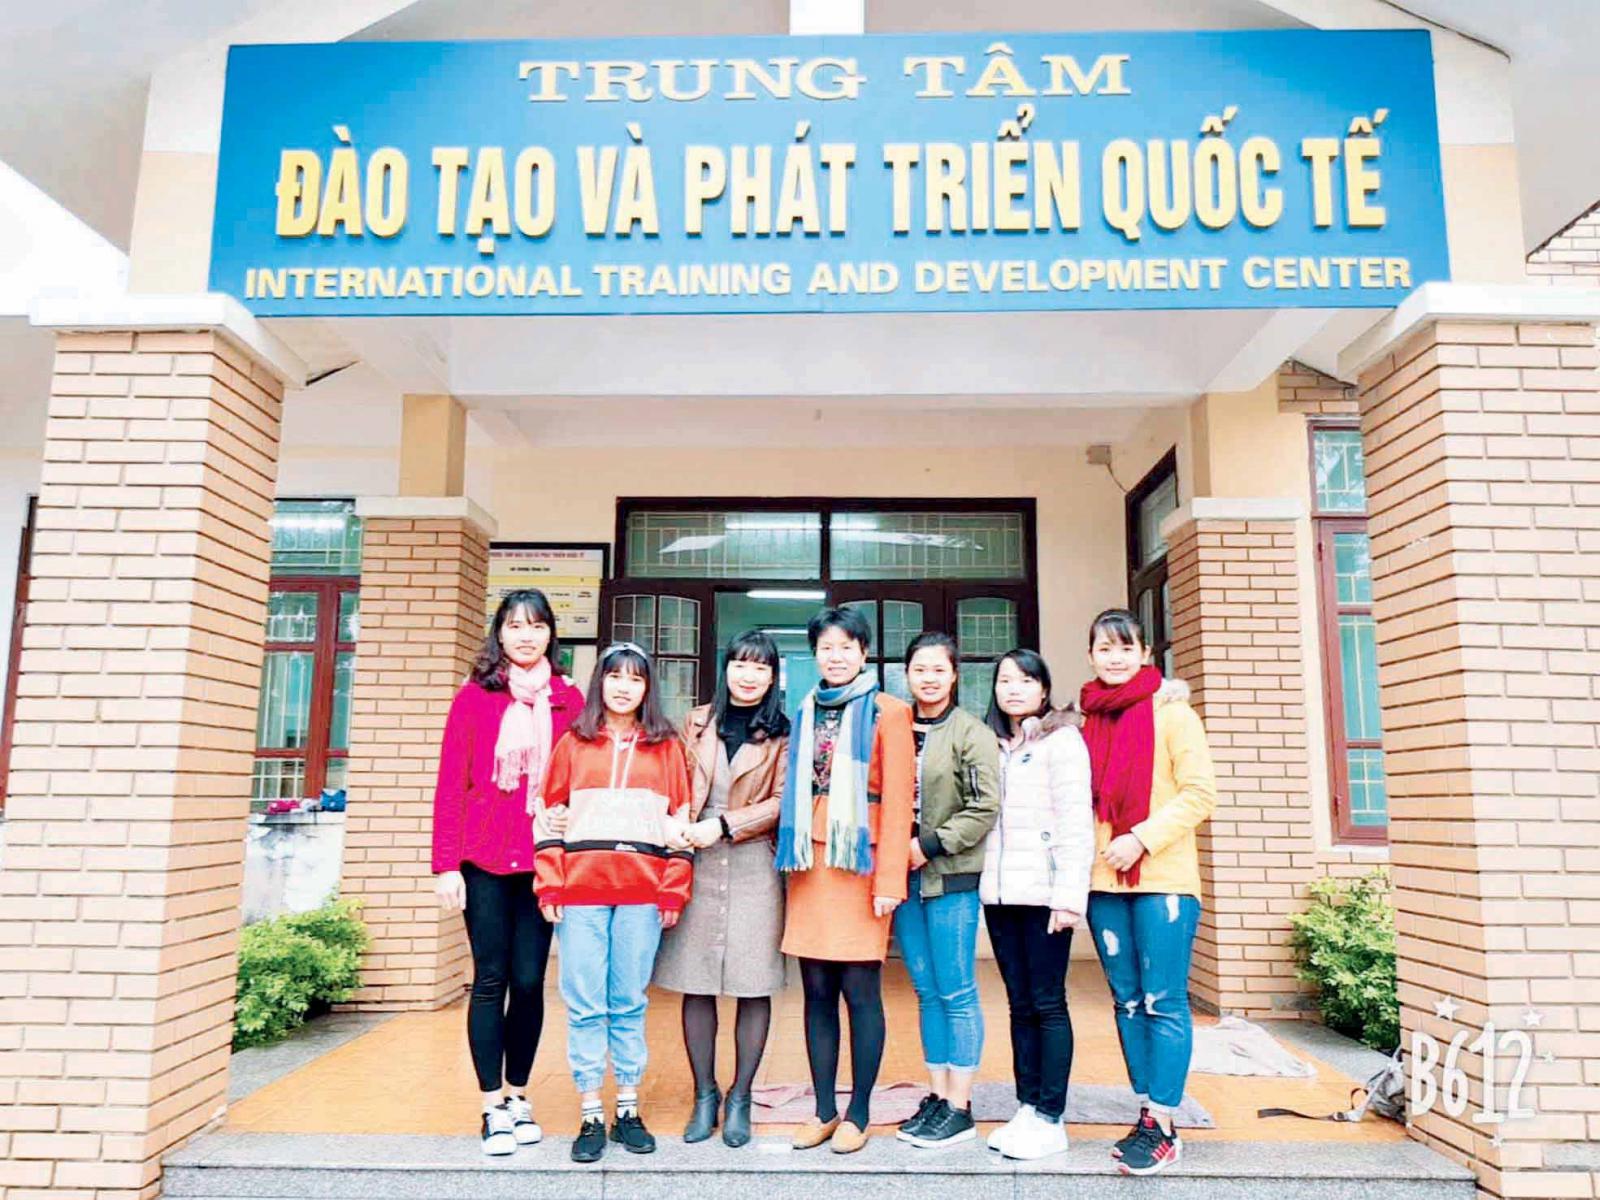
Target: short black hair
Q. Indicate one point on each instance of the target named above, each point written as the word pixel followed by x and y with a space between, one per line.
pixel 1031 663
pixel 848 618
pixel 489 671
pixel 1119 625
pixel 935 638
pixel 769 719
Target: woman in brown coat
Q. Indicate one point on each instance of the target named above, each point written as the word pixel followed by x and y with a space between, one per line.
pixel 727 941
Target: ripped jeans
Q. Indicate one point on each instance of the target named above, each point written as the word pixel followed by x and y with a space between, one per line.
pixel 1144 940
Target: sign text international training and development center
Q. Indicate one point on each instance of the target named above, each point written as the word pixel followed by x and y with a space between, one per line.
pixel 903 173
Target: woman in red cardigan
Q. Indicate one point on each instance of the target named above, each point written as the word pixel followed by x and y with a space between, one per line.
pixel 497 742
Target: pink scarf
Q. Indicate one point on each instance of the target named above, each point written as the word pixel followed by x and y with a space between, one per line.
pixel 523 747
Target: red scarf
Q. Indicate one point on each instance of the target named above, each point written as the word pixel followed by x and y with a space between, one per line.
pixel 1120 729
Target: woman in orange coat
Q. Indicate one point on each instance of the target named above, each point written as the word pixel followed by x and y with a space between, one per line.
pixel 844 840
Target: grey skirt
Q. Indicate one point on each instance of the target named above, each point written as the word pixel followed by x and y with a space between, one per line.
pixel 726 943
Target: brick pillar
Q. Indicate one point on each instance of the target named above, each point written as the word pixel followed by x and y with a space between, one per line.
pixel 424 564
pixel 130 777
pixel 1232 571
pixel 1483 466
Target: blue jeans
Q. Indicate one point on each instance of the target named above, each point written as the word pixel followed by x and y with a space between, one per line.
pixel 1144 941
pixel 607 955
pixel 939 942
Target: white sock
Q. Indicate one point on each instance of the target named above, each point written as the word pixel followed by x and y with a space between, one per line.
pixel 593 1110
pixel 628 1103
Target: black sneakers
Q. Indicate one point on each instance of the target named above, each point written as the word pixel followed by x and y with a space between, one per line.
pixel 912 1124
pixel 944 1126
pixel 590 1143
pixel 629 1132
pixel 1151 1150
pixel 1128 1139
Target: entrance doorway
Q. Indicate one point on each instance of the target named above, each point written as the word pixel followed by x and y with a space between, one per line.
pixel 692 575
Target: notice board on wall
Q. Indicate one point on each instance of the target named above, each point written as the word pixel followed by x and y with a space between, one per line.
pixel 570 574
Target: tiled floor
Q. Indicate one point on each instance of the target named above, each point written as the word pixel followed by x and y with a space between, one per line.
pixel 411 1074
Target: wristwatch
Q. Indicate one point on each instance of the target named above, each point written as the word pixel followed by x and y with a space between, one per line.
pixel 727 831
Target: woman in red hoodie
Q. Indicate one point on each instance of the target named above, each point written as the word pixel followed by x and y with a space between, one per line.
pixel 497 742
pixel 617 787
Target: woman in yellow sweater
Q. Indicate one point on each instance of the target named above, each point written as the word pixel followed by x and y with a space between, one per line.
pixel 1153 787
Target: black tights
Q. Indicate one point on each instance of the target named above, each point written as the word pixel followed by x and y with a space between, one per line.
pixel 510 946
pixel 749 1040
pixel 861 985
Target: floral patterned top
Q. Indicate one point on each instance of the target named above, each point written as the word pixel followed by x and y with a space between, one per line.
pixel 824 739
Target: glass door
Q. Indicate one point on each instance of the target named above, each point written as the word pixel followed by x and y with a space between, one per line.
pixel 782 612
pixel 897 614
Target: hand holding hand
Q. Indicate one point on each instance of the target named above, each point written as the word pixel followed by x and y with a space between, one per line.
pixel 555 819
pixel 705 833
pixel 451 890
pixel 1123 852
pixel 552 913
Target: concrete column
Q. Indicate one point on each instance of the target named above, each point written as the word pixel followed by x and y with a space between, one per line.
pixel 424 568
pixel 130 777
pixel 1480 415
pixel 1233 570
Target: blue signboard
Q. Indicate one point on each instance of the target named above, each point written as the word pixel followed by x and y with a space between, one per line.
pixel 940 172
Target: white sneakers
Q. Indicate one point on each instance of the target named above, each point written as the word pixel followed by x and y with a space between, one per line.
pixel 499 1138
pixel 523 1127
pixel 1028 1136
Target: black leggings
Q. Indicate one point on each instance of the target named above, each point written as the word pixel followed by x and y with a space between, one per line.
pixel 749 1040
pixel 861 985
pixel 1033 966
pixel 510 945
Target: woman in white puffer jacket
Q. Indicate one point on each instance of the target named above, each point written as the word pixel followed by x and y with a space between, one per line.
pixel 1034 888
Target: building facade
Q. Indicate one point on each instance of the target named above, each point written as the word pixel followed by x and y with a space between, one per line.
pixel 261 551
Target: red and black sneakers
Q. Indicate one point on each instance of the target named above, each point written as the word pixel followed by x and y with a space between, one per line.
pixel 1150 1149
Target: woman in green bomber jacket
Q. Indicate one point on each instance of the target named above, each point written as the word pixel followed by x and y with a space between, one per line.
pixel 957 800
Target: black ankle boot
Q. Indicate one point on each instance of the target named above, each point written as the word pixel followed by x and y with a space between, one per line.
pixel 704 1118
pixel 736 1120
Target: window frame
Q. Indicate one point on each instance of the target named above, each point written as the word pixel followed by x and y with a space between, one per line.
pixel 1324 527
pixel 325 650
pixel 939 596
pixel 1143 577
pixel 19 612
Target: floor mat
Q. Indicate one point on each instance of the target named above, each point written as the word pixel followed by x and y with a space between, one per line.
pixel 1087 1104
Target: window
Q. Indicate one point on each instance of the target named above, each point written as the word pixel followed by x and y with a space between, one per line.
pixel 19 609
pixel 692 574
pixel 1349 635
pixel 1152 499
pixel 307 675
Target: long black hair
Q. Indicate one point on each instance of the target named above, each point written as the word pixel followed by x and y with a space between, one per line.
pixel 489 671
pixel 632 660
pixel 1031 663
pixel 769 719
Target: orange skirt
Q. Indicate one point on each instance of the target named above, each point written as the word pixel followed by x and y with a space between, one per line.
pixel 829 916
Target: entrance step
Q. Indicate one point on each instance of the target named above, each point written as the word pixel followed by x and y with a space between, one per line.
pixel 284 1166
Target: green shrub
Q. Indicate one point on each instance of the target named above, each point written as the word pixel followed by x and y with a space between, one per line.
pixel 288 962
pixel 1345 943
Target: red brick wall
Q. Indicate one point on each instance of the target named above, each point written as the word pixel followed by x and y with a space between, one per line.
pixel 422 602
pixel 1236 640
pixel 131 770
pixel 1483 467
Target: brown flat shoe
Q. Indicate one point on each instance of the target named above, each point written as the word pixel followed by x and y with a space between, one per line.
pixel 848 1138
pixel 813 1133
